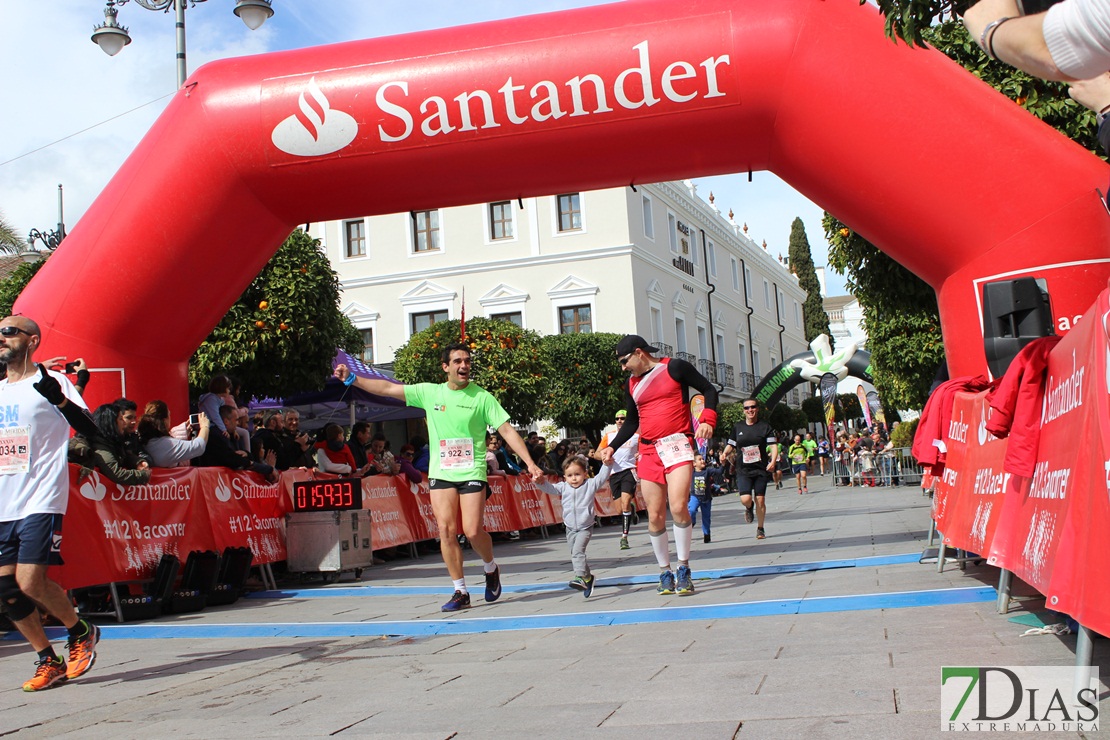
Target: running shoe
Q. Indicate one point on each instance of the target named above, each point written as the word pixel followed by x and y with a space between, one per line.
pixel 47 673
pixel 82 652
pixel 706 538
pixel 461 600
pixel 805 490
pixel 760 534
pixel 666 582
pixel 624 543
pixel 685 581
pixel 589 587
pixel 749 514
pixel 493 585
pixel 578 583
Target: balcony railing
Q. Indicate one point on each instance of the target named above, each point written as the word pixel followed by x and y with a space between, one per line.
pixel 692 359
pixel 665 350
pixel 708 369
pixel 724 374
pixel 745 382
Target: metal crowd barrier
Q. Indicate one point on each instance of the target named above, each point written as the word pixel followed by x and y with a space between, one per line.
pixel 895 467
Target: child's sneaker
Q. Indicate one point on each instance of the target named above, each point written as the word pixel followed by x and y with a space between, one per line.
pixel 589 586
pixel 578 583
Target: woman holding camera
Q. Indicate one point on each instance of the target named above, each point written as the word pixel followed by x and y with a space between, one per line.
pixel 164 450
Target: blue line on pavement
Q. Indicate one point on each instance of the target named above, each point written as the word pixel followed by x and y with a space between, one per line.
pixel 748 572
pixel 431 627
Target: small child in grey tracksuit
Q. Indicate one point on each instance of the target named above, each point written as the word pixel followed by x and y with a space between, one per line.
pixel 578 492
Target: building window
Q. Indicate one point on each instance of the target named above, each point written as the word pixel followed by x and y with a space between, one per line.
pixel 355 238
pixel 515 317
pixel 703 343
pixel 570 212
pixel 711 250
pixel 743 357
pixel 656 324
pixel 421 321
pixel 501 220
pixel 672 231
pixel 680 334
pixel 575 320
pixel 721 356
pixel 735 274
pixel 755 365
pixel 649 227
pixel 767 295
pixel 747 284
pixel 367 355
pixel 425 231
pixel 797 315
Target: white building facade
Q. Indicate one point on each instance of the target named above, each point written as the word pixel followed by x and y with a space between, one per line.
pixel 656 260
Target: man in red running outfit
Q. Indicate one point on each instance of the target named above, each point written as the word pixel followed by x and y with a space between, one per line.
pixel 658 406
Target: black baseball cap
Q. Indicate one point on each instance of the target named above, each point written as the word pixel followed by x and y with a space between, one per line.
pixel 629 343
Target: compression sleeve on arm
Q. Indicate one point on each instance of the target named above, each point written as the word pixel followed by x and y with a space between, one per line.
pixel 685 373
pixel 79 418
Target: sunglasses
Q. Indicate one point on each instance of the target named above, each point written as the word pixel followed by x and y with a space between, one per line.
pixel 11 331
pixel 619 419
pixel 751 408
pixel 624 360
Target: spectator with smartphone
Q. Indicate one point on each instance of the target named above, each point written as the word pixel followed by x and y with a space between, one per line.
pixel 163 449
pixel 106 450
pixel 222 452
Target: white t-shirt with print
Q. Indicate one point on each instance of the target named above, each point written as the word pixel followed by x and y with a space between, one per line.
pixel 26 415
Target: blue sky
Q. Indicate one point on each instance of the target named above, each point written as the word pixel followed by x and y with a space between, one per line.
pixel 59 85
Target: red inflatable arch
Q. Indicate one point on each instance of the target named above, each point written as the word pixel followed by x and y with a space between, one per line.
pixel 941 172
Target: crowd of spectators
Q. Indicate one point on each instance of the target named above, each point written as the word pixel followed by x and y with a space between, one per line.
pixel 223 434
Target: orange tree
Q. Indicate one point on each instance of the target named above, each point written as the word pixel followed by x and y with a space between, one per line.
pixel 281 335
pixel 585 384
pixel 506 361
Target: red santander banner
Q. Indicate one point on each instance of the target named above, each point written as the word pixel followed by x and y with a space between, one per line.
pixel 1048 529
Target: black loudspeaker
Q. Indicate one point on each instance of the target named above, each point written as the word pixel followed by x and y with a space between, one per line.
pixel 1015 312
pixel 235 567
pixel 198 579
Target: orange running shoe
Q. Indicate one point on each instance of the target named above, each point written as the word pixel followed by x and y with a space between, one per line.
pixel 82 652
pixel 48 673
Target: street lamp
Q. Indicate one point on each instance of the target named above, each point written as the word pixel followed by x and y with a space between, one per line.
pixel 50 239
pixel 112 37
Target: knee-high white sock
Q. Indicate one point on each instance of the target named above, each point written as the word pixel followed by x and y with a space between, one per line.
pixel 683 533
pixel 661 545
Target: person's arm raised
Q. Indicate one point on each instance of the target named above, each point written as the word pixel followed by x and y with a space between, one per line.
pixel 377 387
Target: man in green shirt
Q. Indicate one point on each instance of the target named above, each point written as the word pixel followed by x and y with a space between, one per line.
pixel 458 413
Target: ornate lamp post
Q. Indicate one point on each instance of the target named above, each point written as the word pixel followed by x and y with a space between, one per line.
pixel 50 239
pixel 112 37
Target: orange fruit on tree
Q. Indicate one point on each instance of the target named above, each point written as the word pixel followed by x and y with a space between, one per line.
pixel 260 324
pixel 263 305
pixel 844 232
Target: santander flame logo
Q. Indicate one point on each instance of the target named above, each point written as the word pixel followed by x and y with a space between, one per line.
pixel 93 489
pixel 316 129
pixel 223 491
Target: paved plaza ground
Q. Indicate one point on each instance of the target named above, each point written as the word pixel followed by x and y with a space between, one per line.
pixel 829 628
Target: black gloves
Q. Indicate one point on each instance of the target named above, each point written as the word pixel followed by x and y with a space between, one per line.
pixel 83 377
pixel 49 388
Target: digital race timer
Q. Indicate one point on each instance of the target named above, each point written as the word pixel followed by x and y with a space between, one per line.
pixel 327 495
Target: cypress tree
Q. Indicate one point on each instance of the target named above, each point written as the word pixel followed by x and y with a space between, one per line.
pixel 814 318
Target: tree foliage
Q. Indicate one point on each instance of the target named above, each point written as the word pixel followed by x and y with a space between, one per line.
pixel 13 284
pixel 785 418
pixel 584 385
pixel 900 317
pixel 814 409
pixel 902 436
pixel 505 360
pixel 847 407
pixel 10 241
pixel 281 335
pixel 801 264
